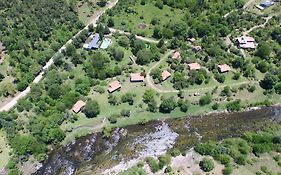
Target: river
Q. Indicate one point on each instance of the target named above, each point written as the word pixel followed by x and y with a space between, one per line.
pixel 94 154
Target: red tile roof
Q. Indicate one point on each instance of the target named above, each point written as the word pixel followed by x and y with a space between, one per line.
pixel 176 55
pixel 137 77
pixel 165 75
pixel 113 86
pixel 78 106
pixel 224 68
pixel 194 66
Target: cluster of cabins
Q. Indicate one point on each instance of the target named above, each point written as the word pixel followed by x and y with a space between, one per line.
pixel 112 87
pixel 196 66
pixel 95 42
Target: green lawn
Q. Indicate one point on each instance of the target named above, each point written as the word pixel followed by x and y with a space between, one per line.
pixel 4 150
pixel 264 160
pixel 144 15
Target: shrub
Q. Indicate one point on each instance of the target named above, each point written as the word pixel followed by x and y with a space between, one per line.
pixel 207 164
pixel 223 159
pixel 227 170
pixel 241 160
pixel 175 152
pixel 215 106
pixel 153 164
pixel 205 100
pixel 168 169
pixel 164 160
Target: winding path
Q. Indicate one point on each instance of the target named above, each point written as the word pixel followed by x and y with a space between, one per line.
pixel 8 105
pixel 149 40
pixel 152 85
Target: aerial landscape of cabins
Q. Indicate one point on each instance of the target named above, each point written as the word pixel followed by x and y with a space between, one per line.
pixel 137 77
pixel 194 66
pixel 246 42
pixel 78 106
pixel 176 55
pixel 96 42
pixel 114 86
pixel 165 75
pixel 224 68
pixel 265 4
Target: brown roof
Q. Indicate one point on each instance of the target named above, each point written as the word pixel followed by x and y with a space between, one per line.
pixel 176 55
pixel 78 106
pixel 113 86
pixel 165 75
pixel 137 77
pixel 224 68
pixel 194 66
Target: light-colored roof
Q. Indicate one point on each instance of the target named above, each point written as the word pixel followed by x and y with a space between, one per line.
pixel 176 55
pixel 137 77
pixel 191 39
pixel 194 66
pixel 106 43
pixel 78 106
pixel 224 68
pixel 113 86
pixel 246 42
pixel 197 48
pixel 165 75
pixel 245 39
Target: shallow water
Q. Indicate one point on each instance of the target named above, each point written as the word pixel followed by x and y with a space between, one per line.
pixel 94 154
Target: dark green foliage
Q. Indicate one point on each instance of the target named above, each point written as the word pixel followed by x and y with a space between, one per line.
pixel 227 170
pixel 91 109
pixel 25 145
pixel 168 105
pixel 128 98
pixel 234 106
pixel 207 164
pixel 205 100
pixel 154 166
pixel 263 50
pixel 184 105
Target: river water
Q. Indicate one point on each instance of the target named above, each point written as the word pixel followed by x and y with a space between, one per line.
pixel 94 154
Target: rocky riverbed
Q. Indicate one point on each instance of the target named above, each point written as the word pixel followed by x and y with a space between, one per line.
pixel 94 154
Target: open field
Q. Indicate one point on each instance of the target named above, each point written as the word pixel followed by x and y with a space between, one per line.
pixel 4 150
pixel 139 20
pixel 265 160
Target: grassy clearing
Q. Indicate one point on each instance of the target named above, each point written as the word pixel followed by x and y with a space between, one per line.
pixel 265 160
pixel 143 14
pixel 4 150
pixel 272 10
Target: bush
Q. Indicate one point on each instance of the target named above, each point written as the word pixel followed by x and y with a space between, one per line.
pixel 92 109
pixel 205 100
pixel 168 169
pixel 215 106
pixel 153 164
pixel 164 160
pixel 227 170
pixel 175 152
pixel 207 164
pixel 223 159
pixel 241 160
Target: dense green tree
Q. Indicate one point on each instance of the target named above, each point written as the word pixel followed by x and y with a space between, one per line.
pixel 168 105
pixel 205 100
pixel 207 164
pixel 91 109
pixel 263 50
